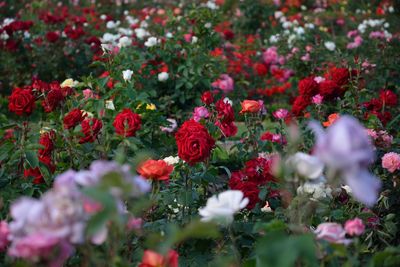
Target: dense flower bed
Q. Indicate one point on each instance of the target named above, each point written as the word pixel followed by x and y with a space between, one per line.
pixel 218 133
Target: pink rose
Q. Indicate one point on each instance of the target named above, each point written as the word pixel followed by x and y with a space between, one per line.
pixel 271 56
pixel 199 113
pixel 354 227
pixel 225 83
pixel 87 93
pixel 317 99
pixel 332 232
pixel 280 113
pixel 4 233
pixel 391 161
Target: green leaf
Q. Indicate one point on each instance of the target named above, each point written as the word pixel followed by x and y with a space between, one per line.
pixel 32 159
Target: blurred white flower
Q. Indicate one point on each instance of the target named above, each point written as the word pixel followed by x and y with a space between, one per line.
pixel 124 41
pixel 127 74
pixel 171 160
pixel 141 33
pixel 110 105
pixel 163 76
pixel 330 45
pixel 152 41
pixel 221 208
pixel 306 165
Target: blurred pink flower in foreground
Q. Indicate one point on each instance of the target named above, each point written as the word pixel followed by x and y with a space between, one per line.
pixel 354 227
pixel 332 232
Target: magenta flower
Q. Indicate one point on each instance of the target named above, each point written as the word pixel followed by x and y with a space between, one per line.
pixel 4 234
pixel 271 56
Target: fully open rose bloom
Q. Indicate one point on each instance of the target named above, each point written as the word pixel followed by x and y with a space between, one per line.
pixel 332 232
pixel 224 206
pixel 354 227
pixel 153 259
pixel 250 106
pixel 91 127
pixel 194 142
pixel 391 161
pixel 73 118
pixel 126 123
pixel 155 169
pixel 21 101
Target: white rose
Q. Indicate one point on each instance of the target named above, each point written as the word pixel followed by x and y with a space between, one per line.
pixel 171 160
pixel 306 166
pixel 127 74
pixel 163 76
pixel 124 41
pixel 330 45
pixel 221 208
pixel 152 41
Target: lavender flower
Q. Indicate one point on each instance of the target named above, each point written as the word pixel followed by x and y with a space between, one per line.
pixel 346 150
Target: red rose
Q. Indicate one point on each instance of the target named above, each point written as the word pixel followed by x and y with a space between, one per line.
pixel 155 169
pixel 194 142
pixel 300 104
pixel 228 128
pixel 126 123
pixel 308 87
pixel 73 118
pixel 249 189
pixel 260 69
pixel 90 128
pixel 46 141
pixel 207 98
pixel 21 101
pixel 388 97
pixel 35 173
pixel 153 259
pixel 329 89
pixel 340 76
pixel 225 111
pixel 53 99
pixel 52 37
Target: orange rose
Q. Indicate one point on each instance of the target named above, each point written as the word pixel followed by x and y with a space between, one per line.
pixel 251 106
pixel 155 169
pixel 331 119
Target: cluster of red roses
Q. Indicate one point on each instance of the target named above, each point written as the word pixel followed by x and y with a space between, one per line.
pixel 22 100
pixel 256 173
pixel 379 106
pixel 46 140
pixel 225 114
pixel 11 43
pixel 332 85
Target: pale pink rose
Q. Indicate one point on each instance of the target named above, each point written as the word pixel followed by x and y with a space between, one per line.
pixel 354 227
pixel 4 234
pixel 332 232
pixel 87 93
pixel 200 113
pixel 319 79
pixel 280 113
pixel 372 133
pixel 225 83
pixel 387 139
pixel 391 161
pixel 134 223
pixel 306 57
pixel 309 48
pixel 271 56
pixel 317 99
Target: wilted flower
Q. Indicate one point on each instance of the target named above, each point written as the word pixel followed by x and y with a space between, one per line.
pixel 332 232
pixel 354 227
pixel 224 206
pixel 306 165
pixel 346 150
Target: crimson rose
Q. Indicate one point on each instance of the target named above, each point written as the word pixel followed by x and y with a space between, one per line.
pixel 21 101
pixel 126 123
pixel 194 142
